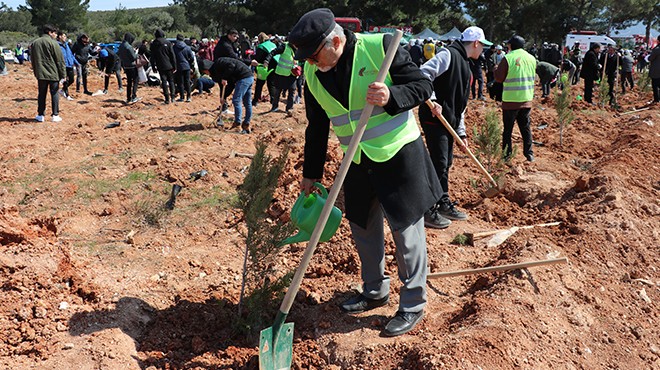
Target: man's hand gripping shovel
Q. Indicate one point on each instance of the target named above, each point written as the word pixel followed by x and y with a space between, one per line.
pixel 276 342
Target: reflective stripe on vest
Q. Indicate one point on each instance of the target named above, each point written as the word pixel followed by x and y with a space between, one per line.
pixel 519 83
pixel 384 135
pixel 286 62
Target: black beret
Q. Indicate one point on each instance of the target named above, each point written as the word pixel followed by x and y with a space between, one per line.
pixel 310 31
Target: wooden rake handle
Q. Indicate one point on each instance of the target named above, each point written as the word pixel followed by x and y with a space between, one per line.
pixel 461 143
pixel 482 270
pixel 339 180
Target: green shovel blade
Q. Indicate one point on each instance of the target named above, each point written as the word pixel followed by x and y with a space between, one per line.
pixel 276 346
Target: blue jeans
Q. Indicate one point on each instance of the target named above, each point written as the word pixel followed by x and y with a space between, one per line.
pixel 243 92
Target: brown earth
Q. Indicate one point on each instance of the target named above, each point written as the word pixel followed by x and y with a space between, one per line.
pixel 96 275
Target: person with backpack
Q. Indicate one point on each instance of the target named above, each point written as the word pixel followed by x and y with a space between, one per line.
pixel 185 59
pixel 163 62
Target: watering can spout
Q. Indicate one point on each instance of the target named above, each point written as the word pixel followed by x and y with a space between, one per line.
pixel 298 238
pixel 305 214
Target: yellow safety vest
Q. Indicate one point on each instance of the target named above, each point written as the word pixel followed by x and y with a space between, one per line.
pixel 286 62
pixel 519 82
pixel 385 135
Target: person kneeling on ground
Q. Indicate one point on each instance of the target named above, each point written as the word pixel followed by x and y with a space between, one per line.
pixel 229 70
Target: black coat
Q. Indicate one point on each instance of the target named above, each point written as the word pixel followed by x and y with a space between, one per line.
pixel 229 69
pixel 452 89
pixel 590 67
pixel 162 55
pixel 81 51
pixel 406 185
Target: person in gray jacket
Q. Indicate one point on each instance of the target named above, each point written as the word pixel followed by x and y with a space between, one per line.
pixel 128 56
pixel 49 69
pixel 654 71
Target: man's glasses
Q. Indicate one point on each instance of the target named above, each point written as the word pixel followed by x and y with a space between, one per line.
pixel 314 57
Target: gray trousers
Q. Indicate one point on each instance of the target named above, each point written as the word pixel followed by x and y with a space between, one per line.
pixel 411 259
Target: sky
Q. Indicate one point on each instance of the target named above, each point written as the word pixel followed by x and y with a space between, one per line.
pixel 106 4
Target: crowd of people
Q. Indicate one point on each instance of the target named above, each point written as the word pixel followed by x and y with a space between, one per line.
pixel 178 65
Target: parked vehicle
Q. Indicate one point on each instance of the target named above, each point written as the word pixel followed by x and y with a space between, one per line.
pixel 8 55
pixel 353 24
pixel 585 38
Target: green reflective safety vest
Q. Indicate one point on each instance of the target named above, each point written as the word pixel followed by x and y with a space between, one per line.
pixel 385 135
pixel 262 71
pixel 519 82
pixel 286 62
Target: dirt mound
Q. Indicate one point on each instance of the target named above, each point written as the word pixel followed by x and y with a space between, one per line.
pixel 98 274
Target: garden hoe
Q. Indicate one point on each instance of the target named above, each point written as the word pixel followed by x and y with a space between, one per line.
pixel 496 186
pixel 276 342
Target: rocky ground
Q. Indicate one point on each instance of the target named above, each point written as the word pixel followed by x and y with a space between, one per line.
pixel 97 275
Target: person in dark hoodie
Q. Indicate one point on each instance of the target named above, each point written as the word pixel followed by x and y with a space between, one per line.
pixel 229 70
pixel 164 62
pixel 128 57
pixel 184 61
pixel 81 50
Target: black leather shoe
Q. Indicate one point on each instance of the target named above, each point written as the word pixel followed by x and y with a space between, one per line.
pixel 360 303
pixel 402 323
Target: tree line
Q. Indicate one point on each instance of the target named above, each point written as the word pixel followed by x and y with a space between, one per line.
pixel 536 20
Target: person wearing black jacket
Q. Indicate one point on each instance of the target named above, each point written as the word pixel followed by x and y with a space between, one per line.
pixel 450 72
pixel 185 61
pixel 232 71
pixel 401 187
pixel 163 61
pixel 477 69
pixel 111 65
pixel 611 71
pixel 227 47
pixel 81 50
pixel 590 71
pixel 128 57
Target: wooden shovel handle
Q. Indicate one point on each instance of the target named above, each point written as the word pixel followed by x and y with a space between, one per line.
pixel 482 270
pixel 461 143
pixel 339 180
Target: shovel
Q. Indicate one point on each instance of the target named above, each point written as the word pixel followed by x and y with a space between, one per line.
pixel 276 342
pixel 496 187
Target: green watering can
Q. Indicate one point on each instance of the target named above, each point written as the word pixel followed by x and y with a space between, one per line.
pixel 262 72
pixel 305 213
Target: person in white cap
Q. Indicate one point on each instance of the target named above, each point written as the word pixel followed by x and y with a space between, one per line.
pixel 450 72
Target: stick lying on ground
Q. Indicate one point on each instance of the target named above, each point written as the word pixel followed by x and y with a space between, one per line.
pixel 482 270
pixel 472 236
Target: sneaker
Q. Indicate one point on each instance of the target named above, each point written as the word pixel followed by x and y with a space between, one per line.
pixel 274 110
pixel 482 98
pixel 69 98
pixel 188 100
pixel 39 118
pixel 234 125
pixel 121 89
pixel 434 220
pixel 104 92
pixel 448 210
pixel 245 131
pixel 134 100
pixel 62 93
pixel 289 112
pixel 180 100
pixel 87 92
pixel 56 118
pixel 530 158
pixel 219 123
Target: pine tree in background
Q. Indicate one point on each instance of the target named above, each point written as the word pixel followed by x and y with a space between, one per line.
pixel 67 15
